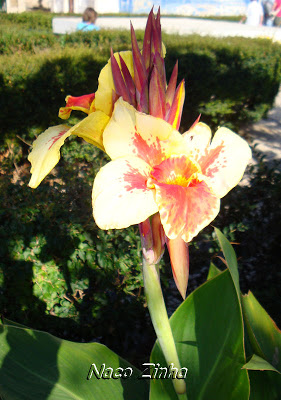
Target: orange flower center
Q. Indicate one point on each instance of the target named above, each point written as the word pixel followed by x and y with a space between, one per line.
pixel 175 170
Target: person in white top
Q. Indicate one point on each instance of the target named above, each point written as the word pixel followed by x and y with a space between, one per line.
pixel 254 13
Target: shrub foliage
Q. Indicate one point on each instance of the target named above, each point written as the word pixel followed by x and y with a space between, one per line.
pixel 58 271
pixel 229 81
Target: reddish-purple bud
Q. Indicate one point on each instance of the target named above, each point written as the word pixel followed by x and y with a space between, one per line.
pixel 179 257
pixel 157 99
pixel 143 104
pixel 120 86
pixel 158 61
pixel 156 43
pixel 152 239
pixel 174 116
pixel 146 50
pixel 170 93
pixel 195 123
pixel 128 81
pixel 140 74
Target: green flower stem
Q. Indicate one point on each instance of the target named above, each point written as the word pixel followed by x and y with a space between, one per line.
pixel 161 323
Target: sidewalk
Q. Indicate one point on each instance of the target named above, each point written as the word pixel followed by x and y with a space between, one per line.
pixel 265 135
pixel 188 26
pixel 180 25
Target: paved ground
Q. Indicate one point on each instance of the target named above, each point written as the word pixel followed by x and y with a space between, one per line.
pixel 266 134
pixel 187 26
pixel 180 25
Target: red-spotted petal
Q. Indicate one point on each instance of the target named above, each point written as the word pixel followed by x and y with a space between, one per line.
pixel 81 103
pixel 120 194
pixel 224 162
pixel 132 133
pixel 198 139
pixel 45 152
pixel 186 203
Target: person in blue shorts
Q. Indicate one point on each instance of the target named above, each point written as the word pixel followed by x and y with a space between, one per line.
pixel 88 21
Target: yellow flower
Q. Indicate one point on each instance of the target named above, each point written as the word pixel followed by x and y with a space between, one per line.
pixel 156 169
pixel 138 77
pixel 45 152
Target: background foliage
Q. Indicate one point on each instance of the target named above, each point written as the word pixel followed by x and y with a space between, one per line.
pixel 59 272
pixel 51 67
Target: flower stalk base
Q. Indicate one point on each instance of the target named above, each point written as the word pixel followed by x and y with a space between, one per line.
pixel 160 321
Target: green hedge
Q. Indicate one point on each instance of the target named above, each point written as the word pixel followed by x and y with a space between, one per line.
pixel 58 271
pixel 28 20
pixel 229 81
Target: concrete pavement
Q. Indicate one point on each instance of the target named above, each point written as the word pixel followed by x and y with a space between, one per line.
pixel 187 26
pixel 180 25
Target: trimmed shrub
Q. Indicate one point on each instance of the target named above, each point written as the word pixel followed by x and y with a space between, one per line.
pixel 59 272
pixel 229 81
pixel 28 20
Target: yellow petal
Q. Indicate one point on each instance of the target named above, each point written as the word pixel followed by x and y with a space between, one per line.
pixel 45 152
pixel 198 139
pixel 130 132
pixel 103 99
pixel 80 103
pixel 224 162
pixel 120 195
pixel 91 128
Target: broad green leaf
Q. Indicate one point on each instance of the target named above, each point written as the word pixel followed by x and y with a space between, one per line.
pixel 230 258
pixel 257 363
pixel 38 366
pixel 208 331
pixel 213 271
pixel 264 335
pixel 265 385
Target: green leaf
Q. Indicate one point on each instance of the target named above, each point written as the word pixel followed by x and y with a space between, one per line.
pixel 265 385
pixel 208 331
pixel 264 335
pixel 257 363
pixel 213 271
pixel 230 258
pixel 36 365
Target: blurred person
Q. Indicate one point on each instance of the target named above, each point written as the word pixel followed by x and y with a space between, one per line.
pixel 254 14
pixel 267 10
pixel 277 12
pixel 88 21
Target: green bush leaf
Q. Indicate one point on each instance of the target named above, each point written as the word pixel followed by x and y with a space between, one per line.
pixel 208 330
pixel 257 363
pixel 230 258
pixel 264 335
pixel 213 271
pixel 36 365
pixel 265 385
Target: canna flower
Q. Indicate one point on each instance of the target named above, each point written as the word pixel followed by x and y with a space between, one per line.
pixel 137 76
pixel 156 169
